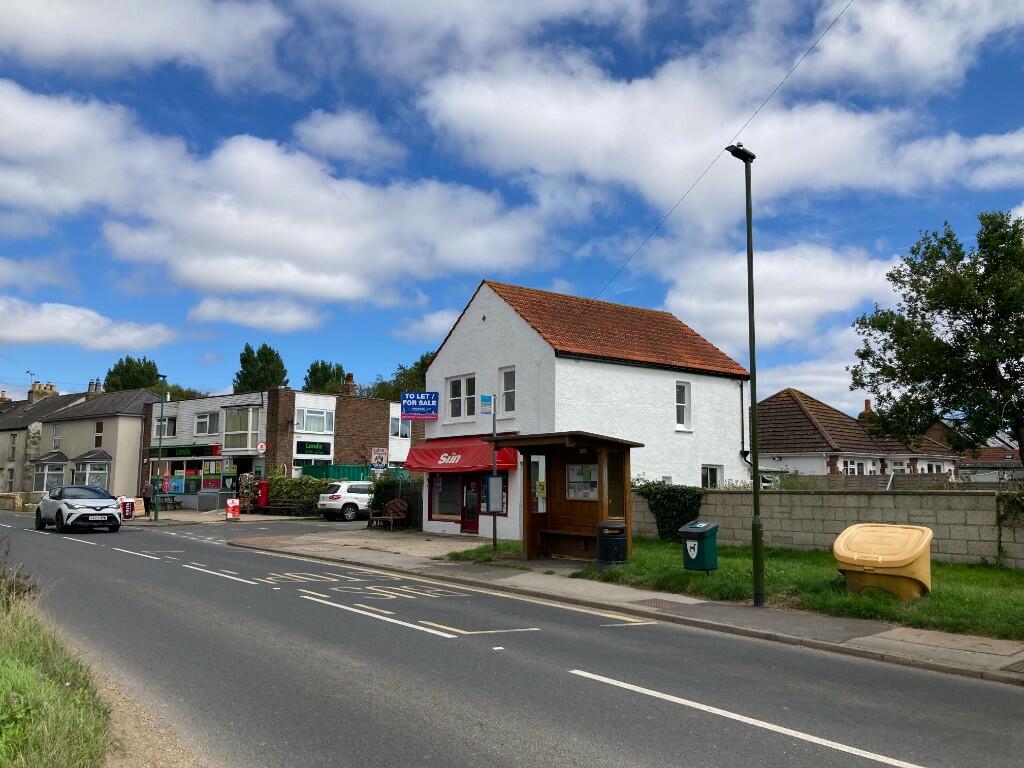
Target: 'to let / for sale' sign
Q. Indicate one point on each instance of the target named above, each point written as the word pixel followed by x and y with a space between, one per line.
pixel 419 405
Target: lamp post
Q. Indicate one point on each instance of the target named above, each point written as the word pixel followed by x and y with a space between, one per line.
pixel 161 428
pixel 743 154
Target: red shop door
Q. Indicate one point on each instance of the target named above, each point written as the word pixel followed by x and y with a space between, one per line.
pixel 471 504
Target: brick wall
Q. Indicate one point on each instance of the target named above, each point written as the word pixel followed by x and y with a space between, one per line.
pixel 360 423
pixel 280 429
pixel 964 524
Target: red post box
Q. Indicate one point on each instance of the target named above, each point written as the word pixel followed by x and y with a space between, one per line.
pixel 262 493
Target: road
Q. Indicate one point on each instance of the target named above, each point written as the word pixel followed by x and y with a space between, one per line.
pixel 260 660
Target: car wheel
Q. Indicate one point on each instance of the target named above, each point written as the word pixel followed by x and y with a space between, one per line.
pixel 114 528
pixel 40 525
pixel 349 512
pixel 61 528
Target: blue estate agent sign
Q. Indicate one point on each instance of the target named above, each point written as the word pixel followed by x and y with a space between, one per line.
pixel 419 405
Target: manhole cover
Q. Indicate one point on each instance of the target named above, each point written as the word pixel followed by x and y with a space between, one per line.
pixel 1015 667
pixel 665 605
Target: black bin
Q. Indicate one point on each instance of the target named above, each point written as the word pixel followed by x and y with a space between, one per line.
pixel 611 544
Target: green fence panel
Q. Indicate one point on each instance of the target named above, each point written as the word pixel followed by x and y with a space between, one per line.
pixel 337 472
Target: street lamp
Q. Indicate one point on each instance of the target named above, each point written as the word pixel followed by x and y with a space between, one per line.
pixel 743 154
pixel 161 428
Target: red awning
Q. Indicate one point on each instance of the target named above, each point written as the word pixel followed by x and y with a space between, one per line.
pixel 458 454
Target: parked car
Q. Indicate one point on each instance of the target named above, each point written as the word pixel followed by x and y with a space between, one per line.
pixel 346 499
pixel 80 505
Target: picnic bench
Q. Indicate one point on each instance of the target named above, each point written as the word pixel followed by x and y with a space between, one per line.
pixel 395 511
pixel 168 502
pixel 293 507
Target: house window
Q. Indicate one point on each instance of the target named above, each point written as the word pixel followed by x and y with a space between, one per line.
pixel 12 450
pixel 10 479
pixel 241 428
pixel 851 467
pixel 314 420
pixel 683 405
pixel 400 427
pixel 56 437
pixel 92 474
pixel 98 442
pixel 899 467
pixel 207 424
pixel 508 391
pixel 48 476
pixel 462 397
pixel 165 427
pixel 710 477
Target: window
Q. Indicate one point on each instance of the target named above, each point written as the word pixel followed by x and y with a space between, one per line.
pixel 508 390
pixel 314 420
pixel 462 397
pixel 49 476
pixel 10 479
pixel 851 467
pixel 12 451
pixel 400 427
pixel 56 437
pixel 241 427
pixel 92 474
pixel 207 424
pixel 166 427
pixel 899 468
pixel 98 443
pixel 683 405
pixel 710 477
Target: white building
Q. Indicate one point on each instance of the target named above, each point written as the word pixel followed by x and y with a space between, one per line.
pixel 560 363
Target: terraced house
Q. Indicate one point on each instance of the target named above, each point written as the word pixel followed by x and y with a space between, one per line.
pixel 21 434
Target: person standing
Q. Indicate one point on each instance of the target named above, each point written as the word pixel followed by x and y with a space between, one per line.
pixel 147 495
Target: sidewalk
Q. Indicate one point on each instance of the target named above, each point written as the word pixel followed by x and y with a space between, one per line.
pixel 192 517
pixel 417 554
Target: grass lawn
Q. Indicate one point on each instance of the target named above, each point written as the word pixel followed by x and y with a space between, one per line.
pixel 50 712
pixel 972 599
pixel 508 552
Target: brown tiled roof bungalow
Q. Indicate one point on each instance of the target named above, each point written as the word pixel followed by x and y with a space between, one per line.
pixel 601 330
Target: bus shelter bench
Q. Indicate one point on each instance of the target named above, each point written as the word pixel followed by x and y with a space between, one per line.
pixel 395 511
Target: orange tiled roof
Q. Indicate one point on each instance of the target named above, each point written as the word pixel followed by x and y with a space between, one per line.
pixel 600 329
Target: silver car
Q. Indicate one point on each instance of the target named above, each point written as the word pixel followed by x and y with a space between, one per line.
pixel 79 505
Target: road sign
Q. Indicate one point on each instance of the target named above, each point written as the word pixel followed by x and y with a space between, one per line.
pixel 419 405
pixel 379 458
pixel 261 448
pixel 486 405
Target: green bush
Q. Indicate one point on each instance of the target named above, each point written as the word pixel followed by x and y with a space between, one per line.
pixel 306 489
pixel 673 506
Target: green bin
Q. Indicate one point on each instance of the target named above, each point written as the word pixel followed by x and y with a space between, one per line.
pixel 700 546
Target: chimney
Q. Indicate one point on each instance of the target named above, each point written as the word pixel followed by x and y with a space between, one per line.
pixel 867 410
pixel 350 385
pixel 95 389
pixel 3 396
pixel 39 391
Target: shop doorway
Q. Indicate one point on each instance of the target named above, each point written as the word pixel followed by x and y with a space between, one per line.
pixel 471 504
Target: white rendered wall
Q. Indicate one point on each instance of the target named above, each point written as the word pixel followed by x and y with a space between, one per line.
pixel 639 404
pixel 398 447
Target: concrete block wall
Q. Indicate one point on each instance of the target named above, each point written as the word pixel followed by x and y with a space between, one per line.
pixel 964 524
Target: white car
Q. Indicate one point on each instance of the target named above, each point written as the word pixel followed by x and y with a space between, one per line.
pixel 346 499
pixel 80 505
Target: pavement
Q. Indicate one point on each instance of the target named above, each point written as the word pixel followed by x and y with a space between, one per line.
pixel 193 517
pixel 278 659
pixel 418 554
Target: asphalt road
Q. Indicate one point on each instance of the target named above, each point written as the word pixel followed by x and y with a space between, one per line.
pixel 260 660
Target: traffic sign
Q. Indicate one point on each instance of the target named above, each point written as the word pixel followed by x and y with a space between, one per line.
pixel 261 448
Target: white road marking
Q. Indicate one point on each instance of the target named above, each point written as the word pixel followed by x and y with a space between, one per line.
pixel 883 759
pixel 129 552
pixel 5 525
pixel 33 530
pixel 225 570
pixel 311 592
pixel 498 648
pixel 222 575
pixel 275 588
pixel 83 541
pixel 201 565
pixel 379 617
pixel 372 608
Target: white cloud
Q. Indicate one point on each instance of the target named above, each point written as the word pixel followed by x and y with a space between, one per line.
pixel 209 358
pixel 27 273
pixel 26 323
pixel 432 327
pixel 561 285
pixel 271 315
pixel 1018 212
pixel 348 135
pixel 229 40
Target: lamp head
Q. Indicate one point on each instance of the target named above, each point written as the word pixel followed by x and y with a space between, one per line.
pixel 740 152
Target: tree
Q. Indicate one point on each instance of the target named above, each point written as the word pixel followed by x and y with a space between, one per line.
pixel 325 378
pixel 131 373
pixel 412 378
pixel 178 392
pixel 260 369
pixel 953 347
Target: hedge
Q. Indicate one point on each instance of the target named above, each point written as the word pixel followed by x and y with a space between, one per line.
pixel 672 506
pixel 307 489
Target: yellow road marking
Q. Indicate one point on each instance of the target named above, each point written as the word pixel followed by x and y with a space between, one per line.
pixel 631 624
pixel 479 631
pixel 370 607
pixel 311 592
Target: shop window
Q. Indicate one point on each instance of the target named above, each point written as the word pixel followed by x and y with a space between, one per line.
pixel 92 474
pixel 56 437
pixel 684 405
pixel 165 427
pixel 48 477
pixel 98 442
pixel 446 492
pixel 710 476
pixel 462 397
pixel 207 424
pixel 508 391
pixel 314 420
pixel 400 427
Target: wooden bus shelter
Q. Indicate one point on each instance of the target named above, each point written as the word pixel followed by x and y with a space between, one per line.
pixel 571 483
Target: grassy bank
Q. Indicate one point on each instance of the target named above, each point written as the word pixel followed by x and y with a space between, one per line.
pixel 973 599
pixel 50 712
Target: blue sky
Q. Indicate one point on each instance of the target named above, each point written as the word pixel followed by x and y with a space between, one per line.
pixel 334 177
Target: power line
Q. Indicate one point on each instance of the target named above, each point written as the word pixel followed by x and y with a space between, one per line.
pixel 711 165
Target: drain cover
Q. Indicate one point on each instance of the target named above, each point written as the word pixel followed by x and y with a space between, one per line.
pixel 664 605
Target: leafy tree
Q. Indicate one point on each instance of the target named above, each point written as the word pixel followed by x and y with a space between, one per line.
pixel 178 392
pixel 131 373
pixel 954 345
pixel 411 378
pixel 260 369
pixel 325 378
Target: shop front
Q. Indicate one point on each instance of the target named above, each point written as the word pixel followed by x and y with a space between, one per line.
pixel 454 488
pixel 193 469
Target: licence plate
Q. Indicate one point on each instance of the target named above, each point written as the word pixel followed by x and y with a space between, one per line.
pixel 97 517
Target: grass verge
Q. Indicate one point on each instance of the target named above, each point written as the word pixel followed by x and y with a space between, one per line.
pixel 507 551
pixel 971 599
pixel 50 711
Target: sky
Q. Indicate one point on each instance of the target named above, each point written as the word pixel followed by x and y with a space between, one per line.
pixel 335 177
